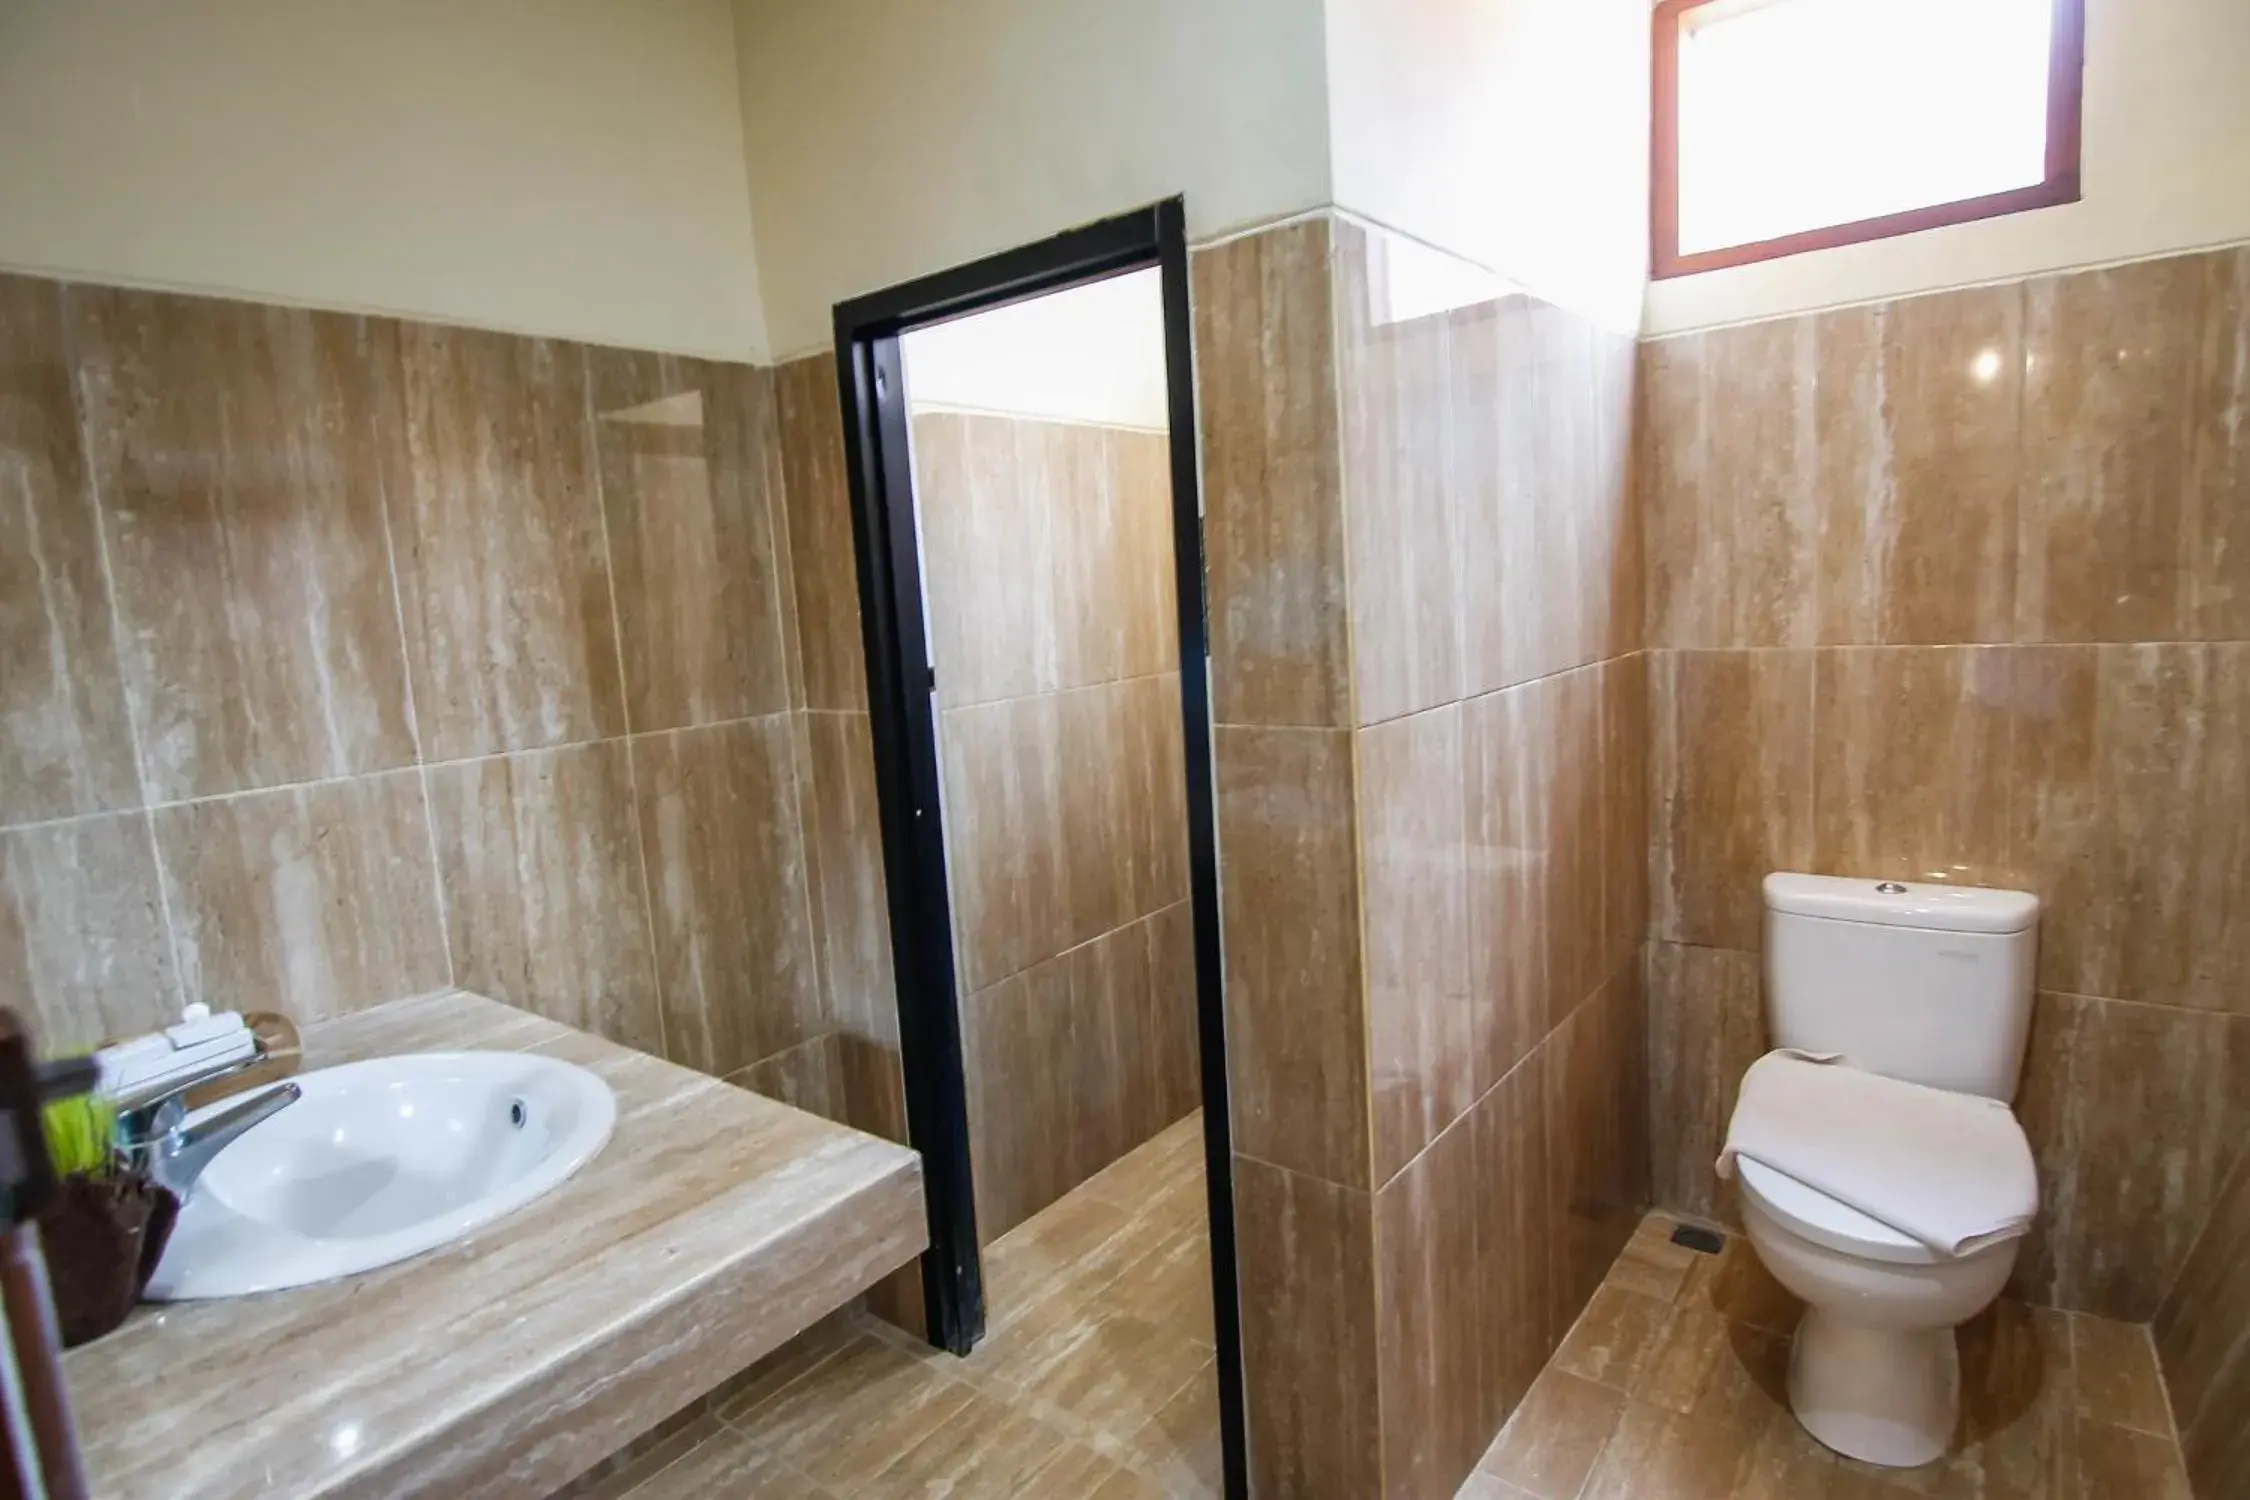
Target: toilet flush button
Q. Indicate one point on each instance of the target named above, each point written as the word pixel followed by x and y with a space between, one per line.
pixel 1890 888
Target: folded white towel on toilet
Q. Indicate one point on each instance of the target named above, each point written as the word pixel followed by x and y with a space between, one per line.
pixel 1952 1171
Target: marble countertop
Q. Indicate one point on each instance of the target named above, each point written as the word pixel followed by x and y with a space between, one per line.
pixel 714 1226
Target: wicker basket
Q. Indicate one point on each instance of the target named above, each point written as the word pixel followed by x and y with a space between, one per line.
pixel 103 1238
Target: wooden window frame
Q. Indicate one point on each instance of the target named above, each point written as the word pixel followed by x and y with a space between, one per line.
pixel 2066 71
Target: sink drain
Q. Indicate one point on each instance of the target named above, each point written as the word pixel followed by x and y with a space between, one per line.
pixel 518 1116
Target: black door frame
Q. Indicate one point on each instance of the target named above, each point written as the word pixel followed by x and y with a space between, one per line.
pixel 900 686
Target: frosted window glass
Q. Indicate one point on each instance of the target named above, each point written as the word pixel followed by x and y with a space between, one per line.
pixel 1800 114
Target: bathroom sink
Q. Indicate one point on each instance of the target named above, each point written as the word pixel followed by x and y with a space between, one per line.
pixel 380 1160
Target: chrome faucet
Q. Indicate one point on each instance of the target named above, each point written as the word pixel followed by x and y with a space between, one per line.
pixel 157 1140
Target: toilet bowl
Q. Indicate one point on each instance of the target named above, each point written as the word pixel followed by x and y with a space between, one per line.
pixel 1873 1371
pixel 1930 986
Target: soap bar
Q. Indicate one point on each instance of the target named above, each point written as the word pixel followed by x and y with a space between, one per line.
pixel 183 1052
pixel 205 1027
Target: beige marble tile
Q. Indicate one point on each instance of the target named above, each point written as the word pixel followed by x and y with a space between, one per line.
pixel 2109 416
pixel 1131 1058
pixel 639 1462
pixel 502 565
pixel 728 892
pixel 1154 769
pixel 823 561
pixel 1576 832
pixel 2214 550
pixel 2118 1380
pixel 1107 1076
pixel 1290 913
pixel 1510 604
pixel 1437 1410
pixel 1090 1381
pixel 314 901
pixel 1616 1338
pixel 1597 1131
pixel 1402 526
pixel 66 746
pixel 1518 1233
pixel 1651 1263
pixel 1612 535
pixel 1093 832
pixel 852 1417
pixel 2202 1332
pixel 1421 1023
pixel 1539 429
pixel 989 1448
pixel 242 454
pixel 1912 775
pixel 1145 570
pixel 1706 1025
pixel 844 844
pixel 1509 753
pixel 1624 761
pixel 2118 1461
pixel 1917 422
pixel 84 954
pixel 544 897
pixel 728 1463
pixel 690 468
pixel 1732 753
pixel 2136 1114
pixel 1309 1332
pixel 1005 808
pixel 808 1076
pixel 1170 1048
pixel 1083 1474
pixel 2134 821
pixel 1273 512
pixel 993 533
pixel 1016 1040
pixel 1181 1443
pixel 1728 453
pixel 1071 479
pixel 1549 1447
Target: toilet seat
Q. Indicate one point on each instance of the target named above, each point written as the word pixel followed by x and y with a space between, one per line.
pixel 1813 1215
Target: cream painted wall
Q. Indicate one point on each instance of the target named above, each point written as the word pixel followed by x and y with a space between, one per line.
pixel 1094 353
pixel 568 167
pixel 1513 133
pixel 890 138
pixel 2166 167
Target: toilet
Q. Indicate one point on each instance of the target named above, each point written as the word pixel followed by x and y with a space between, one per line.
pixel 1930 985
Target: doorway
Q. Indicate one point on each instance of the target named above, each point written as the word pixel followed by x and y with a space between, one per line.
pixel 1073 1162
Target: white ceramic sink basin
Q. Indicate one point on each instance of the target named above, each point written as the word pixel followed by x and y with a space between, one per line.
pixel 378 1161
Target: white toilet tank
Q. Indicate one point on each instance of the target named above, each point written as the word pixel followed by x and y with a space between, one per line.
pixel 1929 983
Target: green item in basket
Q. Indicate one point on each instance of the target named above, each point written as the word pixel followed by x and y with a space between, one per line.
pixel 78 1135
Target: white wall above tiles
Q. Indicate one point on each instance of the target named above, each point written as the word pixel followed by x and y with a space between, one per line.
pixel 1513 133
pixel 566 167
pixel 890 138
pixel 1092 354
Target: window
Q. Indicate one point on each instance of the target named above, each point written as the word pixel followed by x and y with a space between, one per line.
pixel 1788 125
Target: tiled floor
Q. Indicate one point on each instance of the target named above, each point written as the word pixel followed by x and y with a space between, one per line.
pixel 1094 1381
pixel 1671 1387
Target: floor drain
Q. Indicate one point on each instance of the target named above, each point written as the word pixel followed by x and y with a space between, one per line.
pixel 1709 1241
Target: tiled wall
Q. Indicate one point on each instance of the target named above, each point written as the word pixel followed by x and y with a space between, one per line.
pixel 1958 588
pixel 1425 617
pixel 2203 1335
pixel 1048 560
pixel 343 659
